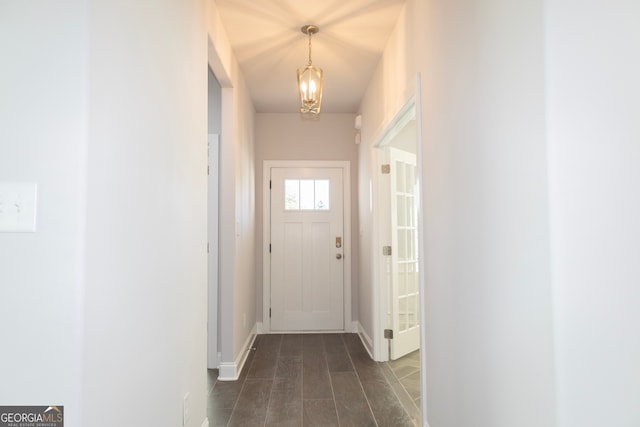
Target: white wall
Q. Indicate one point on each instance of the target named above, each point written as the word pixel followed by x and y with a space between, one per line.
pixel 488 292
pixel 214 104
pixel 43 139
pixel 108 298
pixel 593 85
pixel 237 199
pixel 366 268
pixel 146 281
pixel 289 137
pixel 484 145
pixel 244 319
pixel 531 152
pixel 392 84
pixel 105 305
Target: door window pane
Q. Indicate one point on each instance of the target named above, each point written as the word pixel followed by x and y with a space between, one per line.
pixel 291 194
pixel 322 194
pixel 306 194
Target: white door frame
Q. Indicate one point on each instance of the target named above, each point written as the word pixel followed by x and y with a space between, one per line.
pixel 409 111
pixel 213 359
pixel 266 231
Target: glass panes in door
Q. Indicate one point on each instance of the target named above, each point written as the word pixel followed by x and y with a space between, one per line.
pixel 306 194
pixel 407 244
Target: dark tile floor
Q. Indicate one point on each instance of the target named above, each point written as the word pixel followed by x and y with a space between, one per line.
pixel 405 380
pixel 315 380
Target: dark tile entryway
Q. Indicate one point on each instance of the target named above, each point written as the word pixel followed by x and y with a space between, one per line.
pixel 313 380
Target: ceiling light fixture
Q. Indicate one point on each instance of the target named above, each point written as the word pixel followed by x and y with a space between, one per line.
pixel 310 80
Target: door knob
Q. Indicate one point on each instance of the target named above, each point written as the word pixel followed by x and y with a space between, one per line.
pixel 338 256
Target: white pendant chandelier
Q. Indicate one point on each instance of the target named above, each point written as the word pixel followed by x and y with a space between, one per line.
pixel 310 80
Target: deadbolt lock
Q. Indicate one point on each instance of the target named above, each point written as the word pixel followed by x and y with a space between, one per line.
pixel 338 256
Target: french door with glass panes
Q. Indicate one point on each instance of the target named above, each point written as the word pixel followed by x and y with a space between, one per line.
pixel 405 302
pixel 307 281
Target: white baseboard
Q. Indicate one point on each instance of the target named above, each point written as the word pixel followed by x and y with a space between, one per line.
pixel 366 340
pixel 349 327
pixel 230 371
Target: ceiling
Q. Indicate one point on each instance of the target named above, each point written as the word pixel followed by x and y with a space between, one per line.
pixel 267 42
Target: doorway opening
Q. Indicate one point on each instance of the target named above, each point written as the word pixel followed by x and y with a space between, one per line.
pixel 400 230
pixel 214 126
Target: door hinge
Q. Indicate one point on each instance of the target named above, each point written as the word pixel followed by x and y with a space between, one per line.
pixel 388 334
pixel 386 250
pixel 269 312
pixel 269 184
pixel 269 247
pixel 207 169
pixel 385 169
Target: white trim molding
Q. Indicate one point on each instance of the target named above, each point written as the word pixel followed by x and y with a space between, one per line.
pixel 230 371
pixel 367 342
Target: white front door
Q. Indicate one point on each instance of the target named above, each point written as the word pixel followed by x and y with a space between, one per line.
pixel 405 292
pixel 307 253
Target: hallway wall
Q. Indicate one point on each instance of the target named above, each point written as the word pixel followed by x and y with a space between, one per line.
pixel 237 198
pixel 288 137
pixel 532 240
pixel 43 139
pixel 105 304
pixel 488 291
pixel 145 297
pixel 593 138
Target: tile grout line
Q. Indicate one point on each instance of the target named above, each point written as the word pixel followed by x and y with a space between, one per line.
pixel 355 371
pixel 235 404
pixel 395 393
pixel 351 352
pixel 333 393
pixel 419 411
pixel 244 382
pixel 273 382
pixel 213 386
pixel 301 380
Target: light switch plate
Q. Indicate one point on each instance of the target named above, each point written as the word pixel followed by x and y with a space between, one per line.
pixel 18 202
